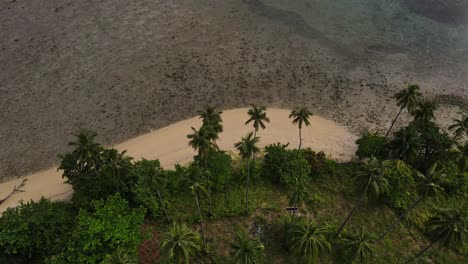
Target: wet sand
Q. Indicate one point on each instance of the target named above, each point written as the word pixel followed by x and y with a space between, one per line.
pixel 123 67
pixel 170 146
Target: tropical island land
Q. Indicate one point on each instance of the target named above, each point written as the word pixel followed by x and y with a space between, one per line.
pixel 401 199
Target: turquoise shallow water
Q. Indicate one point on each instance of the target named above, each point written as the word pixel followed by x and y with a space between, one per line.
pixel 422 29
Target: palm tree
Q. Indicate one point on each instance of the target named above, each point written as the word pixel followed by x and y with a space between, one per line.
pixel 120 257
pixel 427 188
pixel 371 183
pixel 152 170
pixel 447 226
pixel 298 196
pixel 257 115
pixel 300 116
pixel 308 242
pixel 211 118
pixel 247 250
pixel 247 148
pixel 86 149
pixel 407 98
pixel 116 167
pixel 180 244
pixel 196 185
pixel 407 144
pixel 460 126
pixel 201 141
pixel 425 110
pixel 359 248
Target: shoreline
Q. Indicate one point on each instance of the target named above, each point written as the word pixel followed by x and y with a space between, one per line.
pixel 170 145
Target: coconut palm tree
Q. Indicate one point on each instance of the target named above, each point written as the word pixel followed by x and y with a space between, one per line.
pixel 300 116
pixel 196 185
pixel 371 183
pixel 406 99
pixel 180 244
pixel 447 227
pixel 247 147
pixel 359 248
pixel 120 257
pixel 212 123
pixel 86 149
pixel 427 188
pixel 460 126
pixel 116 168
pixel 308 242
pixel 425 110
pixel 152 170
pixel 201 141
pixel 257 116
pixel 407 144
pixel 298 196
pixel 247 250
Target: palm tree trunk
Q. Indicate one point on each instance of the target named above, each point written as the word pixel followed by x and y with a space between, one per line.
pixel 422 251
pixel 393 123
pixel 163 206
pixel 210 206
pixel 294 213
pixel 352 212
pixel 201 218
pixel 390 228
pixel 247 188
pixel 300 138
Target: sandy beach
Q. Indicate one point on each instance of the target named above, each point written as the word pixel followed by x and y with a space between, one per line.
pixel 170 146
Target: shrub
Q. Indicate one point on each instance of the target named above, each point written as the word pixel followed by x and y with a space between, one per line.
pixel 36 229
pixel 371 144
pixel 219 166
pixel 112 225
pixel 150 179
pixel 319 164
pixel 400 177
pixel 282 165
pixel 95 172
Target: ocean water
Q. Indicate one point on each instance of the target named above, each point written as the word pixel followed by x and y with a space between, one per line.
pixel 434 31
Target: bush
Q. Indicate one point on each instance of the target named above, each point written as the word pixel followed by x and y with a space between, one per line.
pixel 319 164
pixel 219 167
pixel 401 183
pixel 371 144
pixel 95 172
pixel 282 165
pixel 149 177
pixel 36 229
pixel 112 225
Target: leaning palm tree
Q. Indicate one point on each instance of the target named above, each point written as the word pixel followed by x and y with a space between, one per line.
pixel 180 244
pixel 460 127
pixel 212 122
pixel 427 188
pixel 257 115
pixel 300 116
pixel 359 248
pixel 120 257
pixel 425 110
pixel 308 242
pixel 407 144
pixel 371 183
pixel 448 227
pixel 247 147
pixel 196 185
pixel 201 141
pixel 247 250
pixel 406 99
pixel 298 196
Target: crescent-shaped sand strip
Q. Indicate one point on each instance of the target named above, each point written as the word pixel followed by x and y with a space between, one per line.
pixel 170 146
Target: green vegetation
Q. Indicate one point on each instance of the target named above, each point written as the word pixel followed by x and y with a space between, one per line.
pixel 384 208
